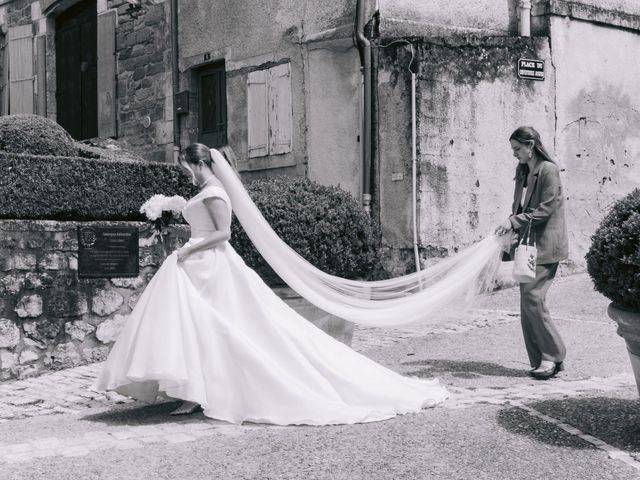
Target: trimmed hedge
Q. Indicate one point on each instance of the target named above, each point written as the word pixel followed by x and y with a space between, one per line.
pixel 323 224
pixel 72 188
pixel 36 135
pixel 613 260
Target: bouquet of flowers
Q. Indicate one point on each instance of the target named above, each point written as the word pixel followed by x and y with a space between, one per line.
pixel 162 211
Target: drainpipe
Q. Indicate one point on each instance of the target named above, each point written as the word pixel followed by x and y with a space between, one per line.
pixel 364 46
pixel 524 12
pixel 414 173
pixel 175 74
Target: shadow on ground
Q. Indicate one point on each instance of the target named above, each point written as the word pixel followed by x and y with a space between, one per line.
pixel 612 420
pixel 461 369
pixel 141 415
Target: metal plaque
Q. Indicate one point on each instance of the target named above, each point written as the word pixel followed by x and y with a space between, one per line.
pixel 531 69
pixel 105 252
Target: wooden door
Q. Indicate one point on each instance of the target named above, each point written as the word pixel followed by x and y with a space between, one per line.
pixel 76 70
pixel 212 90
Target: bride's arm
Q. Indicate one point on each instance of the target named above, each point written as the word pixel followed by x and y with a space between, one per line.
pixel 220 215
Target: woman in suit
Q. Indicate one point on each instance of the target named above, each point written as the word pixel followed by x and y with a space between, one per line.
pixel 538 201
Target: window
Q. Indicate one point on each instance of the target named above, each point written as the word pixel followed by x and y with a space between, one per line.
pixel 269 115
pixel 20 74
pixel 213 105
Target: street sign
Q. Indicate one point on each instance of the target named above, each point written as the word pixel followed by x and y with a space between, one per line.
pixel 531 69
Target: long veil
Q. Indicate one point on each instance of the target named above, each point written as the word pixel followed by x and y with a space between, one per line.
pixel 419 297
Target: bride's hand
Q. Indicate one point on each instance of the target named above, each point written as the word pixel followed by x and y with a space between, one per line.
pixel 504 228
pixel 182 253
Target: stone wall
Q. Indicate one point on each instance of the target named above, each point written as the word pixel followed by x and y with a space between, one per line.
pixel 49 318
pixel 469 99
pixel 144 87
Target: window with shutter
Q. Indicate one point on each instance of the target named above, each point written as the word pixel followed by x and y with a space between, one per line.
pixel 213 105
pixel 280 113
pixel 106 74
pixel 257 114
pixel 21 69
pixel 269 112
pixel 4 77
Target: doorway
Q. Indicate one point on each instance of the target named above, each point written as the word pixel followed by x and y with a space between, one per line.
pixel 76 70
pixel 212 90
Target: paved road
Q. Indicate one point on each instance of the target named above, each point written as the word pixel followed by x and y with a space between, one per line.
pixel 498 423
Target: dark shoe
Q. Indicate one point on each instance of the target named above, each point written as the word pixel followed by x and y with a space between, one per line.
pixel 544 373
pixel 187 408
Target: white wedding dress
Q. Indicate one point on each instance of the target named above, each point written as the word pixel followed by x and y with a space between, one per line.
pixel 208 330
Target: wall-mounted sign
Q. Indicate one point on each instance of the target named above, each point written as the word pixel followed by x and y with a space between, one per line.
pixel 105 252
pixel 531 69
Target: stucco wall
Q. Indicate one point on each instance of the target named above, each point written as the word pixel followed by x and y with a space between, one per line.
pixel 598 120
pixel 469 100
pixel 316 38
pixel 333 115
pixel 442 17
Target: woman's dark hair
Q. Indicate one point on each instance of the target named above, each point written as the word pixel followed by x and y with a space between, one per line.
pixel 196 153
pixel 526 134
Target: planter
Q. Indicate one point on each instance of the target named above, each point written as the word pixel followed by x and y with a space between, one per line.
pixel 629 328
pixel 338 328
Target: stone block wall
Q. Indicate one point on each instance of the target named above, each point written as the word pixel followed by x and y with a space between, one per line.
pixel 144 87
pixel 49 318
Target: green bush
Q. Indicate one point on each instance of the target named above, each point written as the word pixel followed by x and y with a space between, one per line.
pixel 323 224
pixel 613 260
pixel 36 135
pixel 66 188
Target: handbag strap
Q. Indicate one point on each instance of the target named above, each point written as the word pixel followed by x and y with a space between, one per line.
pixel 526 237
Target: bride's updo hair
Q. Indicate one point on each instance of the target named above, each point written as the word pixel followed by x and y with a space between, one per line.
pixel 196 153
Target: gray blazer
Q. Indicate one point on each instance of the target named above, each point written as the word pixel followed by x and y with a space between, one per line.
pixel 544 206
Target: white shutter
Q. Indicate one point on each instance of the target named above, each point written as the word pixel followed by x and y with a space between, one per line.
pixel 21 69
pixel 4 78
pixel 280 109
pixel 257 117
pixel 107 74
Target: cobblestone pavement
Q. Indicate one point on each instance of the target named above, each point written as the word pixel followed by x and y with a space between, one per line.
pixel 68 391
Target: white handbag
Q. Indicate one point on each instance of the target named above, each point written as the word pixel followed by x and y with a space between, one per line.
pixel 524 260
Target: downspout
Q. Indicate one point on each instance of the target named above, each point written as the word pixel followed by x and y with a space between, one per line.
pixel 524 13
pixel 175 74
pixel 414 171
pixel 364 45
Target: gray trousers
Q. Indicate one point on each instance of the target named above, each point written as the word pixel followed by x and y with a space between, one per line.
pixel 541 338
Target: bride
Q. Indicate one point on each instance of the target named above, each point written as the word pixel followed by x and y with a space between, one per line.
pixel 208 331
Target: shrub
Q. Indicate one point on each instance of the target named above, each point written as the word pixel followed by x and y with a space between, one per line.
pixel 65 188
pixel 36 135
pixel 323 224
pixel 613 260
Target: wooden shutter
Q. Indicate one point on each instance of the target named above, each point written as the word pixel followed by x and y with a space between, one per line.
pixel 4 78
pixel 21 69
pixel 280 109
pixel 41 75
pixel 107 74
pixel 257 114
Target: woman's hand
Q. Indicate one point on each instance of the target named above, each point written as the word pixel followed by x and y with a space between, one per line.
pixel 182 253
pixel 504 228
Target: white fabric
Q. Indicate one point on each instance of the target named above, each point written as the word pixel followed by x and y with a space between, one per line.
pixel 416 298
pixel 210 331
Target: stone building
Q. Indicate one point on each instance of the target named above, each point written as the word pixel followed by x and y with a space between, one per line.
pixel 99 68
pixel 363 94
